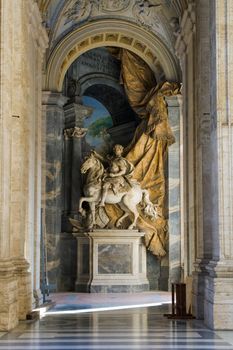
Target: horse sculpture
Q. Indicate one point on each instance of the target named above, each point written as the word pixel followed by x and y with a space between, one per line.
pixel 127 200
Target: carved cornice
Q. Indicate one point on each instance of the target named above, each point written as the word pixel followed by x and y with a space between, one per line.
pixel 53 99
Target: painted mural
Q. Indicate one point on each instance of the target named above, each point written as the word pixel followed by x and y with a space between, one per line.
pixel 97 124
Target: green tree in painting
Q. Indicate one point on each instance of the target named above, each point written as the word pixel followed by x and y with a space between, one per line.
pixel 97 128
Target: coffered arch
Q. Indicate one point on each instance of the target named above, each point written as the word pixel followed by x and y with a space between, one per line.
pixel 117 33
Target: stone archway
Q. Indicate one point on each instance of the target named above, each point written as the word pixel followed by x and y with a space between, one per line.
pixel 117 33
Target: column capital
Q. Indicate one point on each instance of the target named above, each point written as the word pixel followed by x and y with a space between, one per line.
pixel 79 132
pixel 75 114
pixel 76 132
pixel 174 101
pixel 53 98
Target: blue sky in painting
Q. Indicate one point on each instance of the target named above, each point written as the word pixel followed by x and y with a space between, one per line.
pixel 100 117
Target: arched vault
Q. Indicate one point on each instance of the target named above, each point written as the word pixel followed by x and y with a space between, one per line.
pixel 110 32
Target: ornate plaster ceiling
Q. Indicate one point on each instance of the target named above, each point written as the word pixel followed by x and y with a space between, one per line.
pixel 157 16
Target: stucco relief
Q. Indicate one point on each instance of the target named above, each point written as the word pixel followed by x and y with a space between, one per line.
pixel 146 14
pixel 143 12
pixel 80 11
pixel 114 5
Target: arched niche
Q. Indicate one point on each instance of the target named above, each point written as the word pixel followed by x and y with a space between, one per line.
pixel 117 33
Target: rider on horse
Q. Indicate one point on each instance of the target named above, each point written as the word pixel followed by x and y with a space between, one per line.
pixel 118 175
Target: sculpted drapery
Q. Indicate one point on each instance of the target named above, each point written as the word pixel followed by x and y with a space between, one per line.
pixel 148 150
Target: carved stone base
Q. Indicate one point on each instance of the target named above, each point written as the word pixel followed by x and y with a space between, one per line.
pixel 218 305
pixel 24 287
pixel 82 283
pixel 8 296
pixel 198 288
pixel 37 299
pixel 117 262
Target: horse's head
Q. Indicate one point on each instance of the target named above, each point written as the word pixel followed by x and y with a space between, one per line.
pixel 89 162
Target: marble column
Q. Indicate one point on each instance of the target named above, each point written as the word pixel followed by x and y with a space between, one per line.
pixel 74 140
pixel 75 115
pixel 174 202
pixel 52 200
pixel 22 48
pixel 218 306
pixel 76 185
pixel 203 156
pixel 185 49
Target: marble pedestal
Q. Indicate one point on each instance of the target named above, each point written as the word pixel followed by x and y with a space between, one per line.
pixel 117 261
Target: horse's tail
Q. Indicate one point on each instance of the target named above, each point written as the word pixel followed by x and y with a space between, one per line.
pixel 149 209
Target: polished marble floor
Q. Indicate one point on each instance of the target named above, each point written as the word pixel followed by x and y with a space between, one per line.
pixel 98 324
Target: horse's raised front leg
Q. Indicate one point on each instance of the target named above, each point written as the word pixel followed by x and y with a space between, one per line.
pixel 80 208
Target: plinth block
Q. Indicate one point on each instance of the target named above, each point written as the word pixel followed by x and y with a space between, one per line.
pixel 117 262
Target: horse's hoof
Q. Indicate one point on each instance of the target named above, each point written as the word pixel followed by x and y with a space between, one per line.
pixel 131 227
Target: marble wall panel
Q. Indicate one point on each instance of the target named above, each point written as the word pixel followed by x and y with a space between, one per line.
pixel 114 258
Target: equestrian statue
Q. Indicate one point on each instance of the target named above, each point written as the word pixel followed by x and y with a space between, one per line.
pixel 114 184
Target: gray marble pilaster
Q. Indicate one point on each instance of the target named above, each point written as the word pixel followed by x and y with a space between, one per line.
pixel 78 134
pixel 74 137
pixel 175 267
pixel 218 297
pixel 67 162
pixel 52 106
pixel 203 159
pixel 75 132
